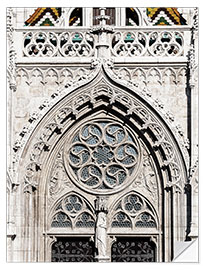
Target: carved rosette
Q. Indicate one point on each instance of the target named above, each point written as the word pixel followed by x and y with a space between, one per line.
pixel 103 156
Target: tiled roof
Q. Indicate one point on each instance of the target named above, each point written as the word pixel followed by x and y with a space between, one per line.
pixel 158 16
pixel 44 17
pixel 165 16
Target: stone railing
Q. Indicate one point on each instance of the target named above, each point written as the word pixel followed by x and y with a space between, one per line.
pixel 122 42
pixel 58 44
pixel 148 43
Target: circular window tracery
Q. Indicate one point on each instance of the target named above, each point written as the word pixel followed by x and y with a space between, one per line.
pixel 103 156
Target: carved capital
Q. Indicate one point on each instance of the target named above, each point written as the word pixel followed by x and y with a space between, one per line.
pixel 175 186
pixel 101 204
pixel 99 29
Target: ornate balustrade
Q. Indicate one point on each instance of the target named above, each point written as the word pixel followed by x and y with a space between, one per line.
pixel 155 41
pixel 148 43
pixel 54 44
pixel 123 42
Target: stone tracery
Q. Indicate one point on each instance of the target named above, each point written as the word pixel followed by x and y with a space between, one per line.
pixel 149 123
pixel 72 212
pixel 132 212
pixel 102 155
pixel 168 116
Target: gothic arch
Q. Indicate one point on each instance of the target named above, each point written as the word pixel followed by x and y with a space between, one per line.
pixel 57 202
pixel 101 96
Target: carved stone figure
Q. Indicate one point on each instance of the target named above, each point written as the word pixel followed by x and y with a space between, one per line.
pixel 57 178
pixel 101 235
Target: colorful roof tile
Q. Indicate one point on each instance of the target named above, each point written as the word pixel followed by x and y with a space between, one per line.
pixel 158 16
pixel 44 17
pixel 165 16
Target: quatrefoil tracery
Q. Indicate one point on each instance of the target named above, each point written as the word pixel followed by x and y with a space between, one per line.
pixel 102 155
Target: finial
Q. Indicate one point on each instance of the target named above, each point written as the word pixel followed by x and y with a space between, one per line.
pixel 102 17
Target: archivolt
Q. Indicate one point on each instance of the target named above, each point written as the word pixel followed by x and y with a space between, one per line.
pixel 102 93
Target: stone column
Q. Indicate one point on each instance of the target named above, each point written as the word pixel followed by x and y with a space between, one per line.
pixel 88 17
pixel 29 215
pixel 194 202
pixel 12 189
pixel 193 84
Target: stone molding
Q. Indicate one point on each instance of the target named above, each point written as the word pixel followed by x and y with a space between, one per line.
pixel 11 69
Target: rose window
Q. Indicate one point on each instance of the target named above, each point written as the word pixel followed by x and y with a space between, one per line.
pixel 103 156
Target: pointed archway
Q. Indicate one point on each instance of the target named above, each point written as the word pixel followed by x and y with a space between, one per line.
pixel 48 174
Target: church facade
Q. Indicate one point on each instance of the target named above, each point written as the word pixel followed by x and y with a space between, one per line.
pixel 102 134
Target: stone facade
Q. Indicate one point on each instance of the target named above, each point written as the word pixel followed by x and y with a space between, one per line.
pixel 102 135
